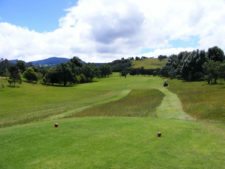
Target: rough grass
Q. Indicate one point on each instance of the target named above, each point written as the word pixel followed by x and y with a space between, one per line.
pixel 200 100
pixel 118 143
pixel 136 103
pixel 150 63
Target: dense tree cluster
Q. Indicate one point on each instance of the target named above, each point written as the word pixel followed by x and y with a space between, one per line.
pixel 121 65
pixel 74 71
pixel 195 65
pixel 142 71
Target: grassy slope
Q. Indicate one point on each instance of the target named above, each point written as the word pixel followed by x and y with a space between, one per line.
pixel 32 102
pixel 137 103
pixel 119 143
pixel 116 142
pixel 150 63
pixel 201 100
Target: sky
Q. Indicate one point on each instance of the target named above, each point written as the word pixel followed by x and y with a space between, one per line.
pixel 105 30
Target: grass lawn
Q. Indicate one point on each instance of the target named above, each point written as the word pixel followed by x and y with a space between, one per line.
pixel 119 143
pixel 31 102
pixel 149 63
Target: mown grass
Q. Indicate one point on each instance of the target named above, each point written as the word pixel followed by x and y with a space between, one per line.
pixel 31 102
pixel 150 63
pixel 110 142
pixel 136 103
pixel 200 100
pixel 119 143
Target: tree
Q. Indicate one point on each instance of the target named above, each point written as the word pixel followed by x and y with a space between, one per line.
pixel 14 76
pixel 51 77
pixel 222 70
pixel 124 73
pixel 89 72
pixel 30 75
pixel 4 67
pixel 62 74
pixel 65 74
pixel 105 70
pixel 21 65
pixel 212 71
pixel 161 57
pixel 216 54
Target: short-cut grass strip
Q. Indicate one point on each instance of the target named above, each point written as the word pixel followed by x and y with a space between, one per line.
pixel 136 103
pixel 171 106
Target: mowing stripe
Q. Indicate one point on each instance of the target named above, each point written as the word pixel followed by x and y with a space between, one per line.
pixel 171 106
pixel 69 113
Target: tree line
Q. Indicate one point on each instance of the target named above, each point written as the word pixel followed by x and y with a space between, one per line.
pixel 72 72
pixel 190 66
pixel 196 65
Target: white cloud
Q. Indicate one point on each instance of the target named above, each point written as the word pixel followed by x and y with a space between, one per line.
pixel 103 30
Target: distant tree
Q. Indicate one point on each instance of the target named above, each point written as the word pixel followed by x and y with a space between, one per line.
pixel 65 74
pixel 212 71
pixel 51 77
pixel 21 65
pixel 143 57
pixel 124 73
pixel 30 75
pixel 105 70
pixel 162 57
pixel 62 74
pixel 14 76
pixel 216 54
pixel 4 67
pixel 88 72
pixel 76 61
pixel 137 58
pixel 222 70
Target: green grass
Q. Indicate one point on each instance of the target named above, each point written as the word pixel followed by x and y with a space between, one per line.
pixel 136 103
pixel 31 102
pixel 119 143
pixel 150 63
pixel 113 142
pixel 200 100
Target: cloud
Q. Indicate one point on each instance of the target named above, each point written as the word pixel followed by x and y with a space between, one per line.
pixel 104 30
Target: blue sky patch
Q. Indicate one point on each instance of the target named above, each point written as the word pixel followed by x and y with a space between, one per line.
pixel 41 15
pixel 183 43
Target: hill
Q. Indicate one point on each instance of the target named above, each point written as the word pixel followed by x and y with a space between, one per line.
pixel 50 61
pixel 149 63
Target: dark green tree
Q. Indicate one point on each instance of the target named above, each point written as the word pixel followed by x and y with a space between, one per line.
pixel 65 74
pixel 88 71
pixel 124 73
pixel 30 75
pixel 105 71
pixel 62 74
pixel 14 76
pixel 212 71
pixel 216 54
pixel 21 65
